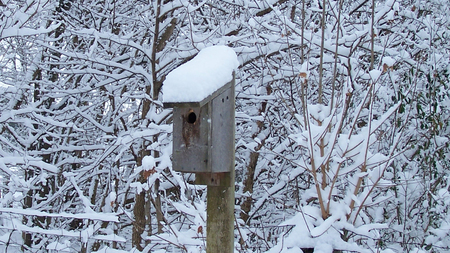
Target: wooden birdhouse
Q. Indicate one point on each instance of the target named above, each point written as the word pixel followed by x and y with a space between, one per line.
pixel 203 105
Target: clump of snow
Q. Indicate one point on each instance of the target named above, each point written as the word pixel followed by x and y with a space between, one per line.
pixel 148 162
pixel 85 234
pixel 252 22
pixel 304 72
pixel 112 196
pixel 18 196
pixel 200 77
pixel 389 61
pixel 317 233
pixel 319 111
pixel 375 74
pixel 59 247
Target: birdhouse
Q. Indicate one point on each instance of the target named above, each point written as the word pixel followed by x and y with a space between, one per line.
pixel 203 132
pixel 201 93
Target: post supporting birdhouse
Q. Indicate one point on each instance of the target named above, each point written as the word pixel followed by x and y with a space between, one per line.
pixel 220 215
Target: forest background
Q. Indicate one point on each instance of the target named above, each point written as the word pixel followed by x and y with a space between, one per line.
pixel 342 113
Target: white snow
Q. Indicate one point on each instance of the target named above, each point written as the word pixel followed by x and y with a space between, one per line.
pixel 107 249
pixel 17 31
pixel 389 61
pixel 200 77
pixel 59 246
pixel 148 162
pixel 112 196
pixel 375 74
pixel 252 22
pixel 93 216
pixel 322 228
pixel 309 219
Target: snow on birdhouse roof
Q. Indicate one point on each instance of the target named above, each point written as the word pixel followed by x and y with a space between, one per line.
pixel 200 77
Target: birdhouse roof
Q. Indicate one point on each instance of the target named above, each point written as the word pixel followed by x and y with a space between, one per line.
pixel 200 79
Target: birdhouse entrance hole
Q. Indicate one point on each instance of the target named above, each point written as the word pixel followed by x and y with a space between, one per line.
pixel 192 117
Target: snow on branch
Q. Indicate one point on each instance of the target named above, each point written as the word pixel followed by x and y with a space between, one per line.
pixel 111 217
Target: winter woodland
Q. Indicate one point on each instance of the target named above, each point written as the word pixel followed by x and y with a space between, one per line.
pixel 342 125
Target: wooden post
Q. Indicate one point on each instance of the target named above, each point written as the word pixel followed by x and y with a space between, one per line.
pixel 220 216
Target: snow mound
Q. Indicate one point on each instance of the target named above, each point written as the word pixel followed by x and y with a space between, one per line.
pixel 202 76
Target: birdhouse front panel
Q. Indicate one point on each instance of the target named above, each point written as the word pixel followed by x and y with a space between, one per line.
pixel 191 139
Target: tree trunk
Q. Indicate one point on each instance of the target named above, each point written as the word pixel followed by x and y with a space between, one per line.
pixel 139 220
pixel 248 186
